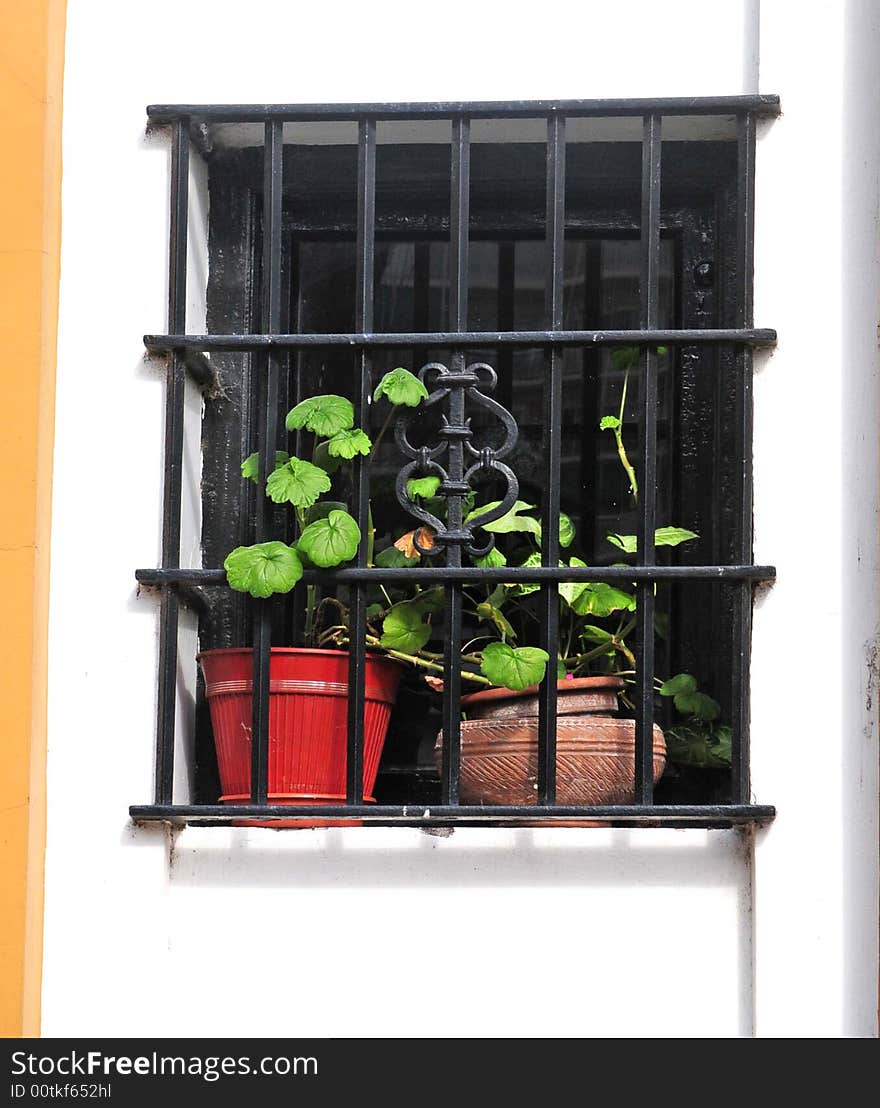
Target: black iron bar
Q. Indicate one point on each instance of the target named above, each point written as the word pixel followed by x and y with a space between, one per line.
pixel 258 113
pixel 649 292
pixel 759 336
pixel 366 236
pixel 266 439
pixel 742 598
pixel 698 814
pixel 169 613
pixel 459 219
pixel 512 574
pixel 552 446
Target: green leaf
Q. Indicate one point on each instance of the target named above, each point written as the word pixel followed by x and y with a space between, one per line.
pixel 250 467
pixel 404 629
pixel 721 746
pixel 321 457
pixel 264 569
pixel 663 536
pixel 323 509
pixel 401 387
pixel 673 536
pixel 323 415
pixel 511 522
pixel 298 483
pixel 601 599
pixel 624 357
pixel 609 423
pixel 561 671
pixel 493 560
pixel 488 613
pixel 598 635
pixel 422 488
pixel 680 683
pixel 515 667
pixel 697 704
pixel 571 590
pixel 699 744
pixel 392 558
pixel 566 530
pixel 429 600
pixel 526 588
pixel 327 542
pixel 345 444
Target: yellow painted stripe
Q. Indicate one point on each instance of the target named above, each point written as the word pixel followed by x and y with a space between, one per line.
pixel 31 68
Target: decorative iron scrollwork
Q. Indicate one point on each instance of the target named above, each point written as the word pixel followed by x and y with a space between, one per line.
pixel 457 386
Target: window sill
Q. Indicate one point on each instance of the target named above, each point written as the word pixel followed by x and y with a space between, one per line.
pixel 420 815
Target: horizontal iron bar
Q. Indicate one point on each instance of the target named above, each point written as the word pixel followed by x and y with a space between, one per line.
pixel 747 336
pixel 477 109
pixel 455 813
pixel 476 573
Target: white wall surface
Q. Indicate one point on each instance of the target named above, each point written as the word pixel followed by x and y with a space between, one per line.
pixel 141 929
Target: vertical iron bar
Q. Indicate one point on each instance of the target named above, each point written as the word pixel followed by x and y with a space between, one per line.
pixel 506 320
pixel 366 245
pixel 649 290
pixel 549 607
pixel 172 494
pixel 267 434
pixel 742 600
pixel 459 220
pixel 421 298
pixel 591 363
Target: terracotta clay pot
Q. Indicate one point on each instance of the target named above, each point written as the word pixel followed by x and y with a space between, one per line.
pixel 595 752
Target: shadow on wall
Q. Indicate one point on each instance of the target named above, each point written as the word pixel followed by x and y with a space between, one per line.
pixel 395 858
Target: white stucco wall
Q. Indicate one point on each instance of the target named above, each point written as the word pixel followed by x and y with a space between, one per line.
pixel 140 931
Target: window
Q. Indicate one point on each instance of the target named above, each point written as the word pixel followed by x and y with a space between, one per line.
pixel 596 257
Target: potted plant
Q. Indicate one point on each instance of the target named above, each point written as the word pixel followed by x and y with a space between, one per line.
pixel 308 698
pixel 309 684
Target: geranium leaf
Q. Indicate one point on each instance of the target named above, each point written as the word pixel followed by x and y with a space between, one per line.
pixel 512 521
pixel 601 599
pixel 250 467
pixel 680 683
pixel 624 357
pixel 526 588
pixel 566 530
pixel 298 483
pixel 594 634
pixel 490 614
pixel 663 536
pixel 422 487
pixel 400 386
pixel 323 415
pixel 515 667
pixel 493 560
pixel 322 457
pixel 404 629
pixel 571 590
pixel 392 558
pixel 345 444
pixel 697 704
pixel 264 569
pixel 332 540
pixel 609 423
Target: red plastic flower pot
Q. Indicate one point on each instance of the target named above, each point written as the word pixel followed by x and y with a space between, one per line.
pixel 308 723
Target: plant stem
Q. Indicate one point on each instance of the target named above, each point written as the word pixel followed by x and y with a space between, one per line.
pixel 383 429
pixel 621 449
pixel 308 630
pixel 414 660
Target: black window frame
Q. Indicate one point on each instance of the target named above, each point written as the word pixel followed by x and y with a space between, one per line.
pixel 268 347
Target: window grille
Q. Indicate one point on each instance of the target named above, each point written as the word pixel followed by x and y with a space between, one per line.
pixel 269 346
